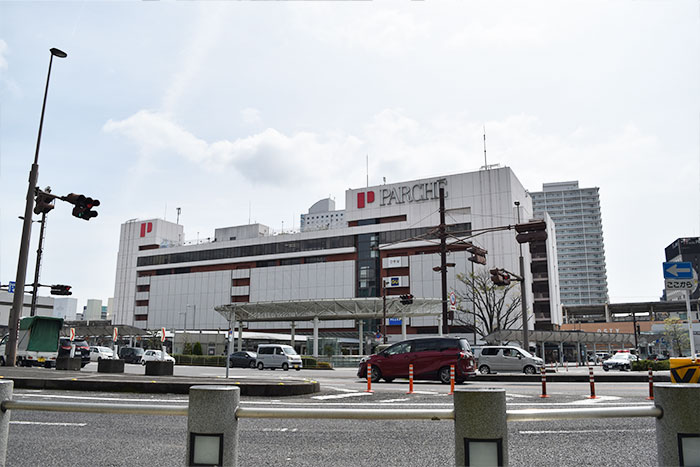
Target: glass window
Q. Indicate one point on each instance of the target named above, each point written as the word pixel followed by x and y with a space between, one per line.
pixel 401 347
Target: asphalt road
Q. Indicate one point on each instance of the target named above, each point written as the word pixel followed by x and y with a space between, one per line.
pixel 63 439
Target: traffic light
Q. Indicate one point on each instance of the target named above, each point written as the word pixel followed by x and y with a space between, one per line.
pixel 499 277
pixel 61 290
pixel 44 203
pixel 478 254
pixel 531 232
pixel 83 206
pixel 406 299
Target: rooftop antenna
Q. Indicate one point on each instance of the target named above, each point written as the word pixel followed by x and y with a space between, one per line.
pixel 178 216
pixel 486 165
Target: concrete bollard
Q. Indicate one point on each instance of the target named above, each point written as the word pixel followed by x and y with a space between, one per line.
pixel 481 431
pixel 212 427
pixel 678 429
pixel 6 388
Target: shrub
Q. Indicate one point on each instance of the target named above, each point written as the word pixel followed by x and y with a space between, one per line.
pixel 197 349
pixel 200 360
pixel 188 349
pixel 313 364
pixel 655 365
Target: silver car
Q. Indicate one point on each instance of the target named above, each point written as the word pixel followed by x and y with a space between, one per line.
pixel 495 358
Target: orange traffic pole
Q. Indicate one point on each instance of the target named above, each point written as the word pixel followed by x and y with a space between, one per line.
pixel 592 381
pixel 651 385
pixel 410 379
pixel 452 380
pixel 369 378
pixel 544 383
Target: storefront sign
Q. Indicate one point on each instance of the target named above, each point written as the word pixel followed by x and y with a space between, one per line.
pixel 412 193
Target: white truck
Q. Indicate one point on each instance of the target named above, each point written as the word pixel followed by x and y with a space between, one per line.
pixel 37 341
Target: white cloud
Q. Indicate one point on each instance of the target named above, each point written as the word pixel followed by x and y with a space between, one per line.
pixel 3 52
pixel 251 116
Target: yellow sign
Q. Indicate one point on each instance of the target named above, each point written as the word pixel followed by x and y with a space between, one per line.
pixel 685 370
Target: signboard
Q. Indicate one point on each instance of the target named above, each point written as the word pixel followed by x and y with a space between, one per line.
pixel 162 334
pixel 453 301
pixel 394 321
pixel 11 287
pixel 681 284
pixel 396 281
pixel 115 334
pixel 72 334
pixel 684 370
pixel 678 270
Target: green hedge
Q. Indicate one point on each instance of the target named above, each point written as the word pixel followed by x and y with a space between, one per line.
pixel 200 360
pixel 312 364
pixel 655 365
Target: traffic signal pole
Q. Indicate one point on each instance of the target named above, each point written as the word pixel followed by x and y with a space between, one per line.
pixel 523 291
pixel 443 263
pixel 37 268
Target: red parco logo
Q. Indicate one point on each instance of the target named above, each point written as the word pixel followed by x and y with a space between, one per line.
pixel 146 227
pixel 361 197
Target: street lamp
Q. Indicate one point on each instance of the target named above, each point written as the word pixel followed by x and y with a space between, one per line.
pixel 18 299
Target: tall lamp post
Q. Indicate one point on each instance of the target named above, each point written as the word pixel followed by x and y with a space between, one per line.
pixel 18 299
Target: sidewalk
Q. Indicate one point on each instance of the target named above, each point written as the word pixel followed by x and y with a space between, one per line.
pixel 43 378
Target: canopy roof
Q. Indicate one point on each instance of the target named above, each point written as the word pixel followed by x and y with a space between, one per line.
pixel 100 328
pixel 627 340
pixel 328 309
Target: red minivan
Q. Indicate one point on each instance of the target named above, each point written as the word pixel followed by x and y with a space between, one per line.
pixel 431 358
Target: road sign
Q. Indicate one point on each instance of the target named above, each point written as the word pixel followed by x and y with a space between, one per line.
pixel 681 284
pixel 72 334
pixel 453 301
pixel 115 334
pixel 678 270
pixel 11 287
pixel 162 334
pixel 394 321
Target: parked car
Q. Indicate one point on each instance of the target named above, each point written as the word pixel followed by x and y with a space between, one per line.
pixel 98 353
pixel 82 349
pixel 620 361
pixel 131 354
pixel 431 358
pixel 242 359
pixel 495 358
pixel 277 356
pixel 156 355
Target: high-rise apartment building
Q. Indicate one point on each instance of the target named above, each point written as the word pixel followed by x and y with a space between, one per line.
pixel 579 231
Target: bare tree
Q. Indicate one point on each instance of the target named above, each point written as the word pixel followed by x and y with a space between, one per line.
pixel 486 306
pixel 676 335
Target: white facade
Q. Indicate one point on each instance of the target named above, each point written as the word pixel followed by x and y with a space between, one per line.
pixel 93 310
pixel 44 306
pixel 322 216
pixel 66 308
pixel 177 286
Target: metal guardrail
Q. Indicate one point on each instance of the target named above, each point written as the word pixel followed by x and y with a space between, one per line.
pixel 88 407
pixel 346 414
pixel 533 415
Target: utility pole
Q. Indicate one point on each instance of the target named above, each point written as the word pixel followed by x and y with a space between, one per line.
pixel 37 268
pixel 384 311
pixel 443 263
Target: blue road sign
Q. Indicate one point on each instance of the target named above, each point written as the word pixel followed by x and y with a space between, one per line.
pixel 678 270
pixel 394 321
pixel 11 287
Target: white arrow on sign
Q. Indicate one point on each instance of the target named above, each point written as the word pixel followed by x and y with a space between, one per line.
pixel 674 270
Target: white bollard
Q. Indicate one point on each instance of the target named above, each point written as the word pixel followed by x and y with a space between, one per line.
pixel 212 427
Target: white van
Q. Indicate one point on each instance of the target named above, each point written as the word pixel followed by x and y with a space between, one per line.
pixel 277 356
pixel 495 358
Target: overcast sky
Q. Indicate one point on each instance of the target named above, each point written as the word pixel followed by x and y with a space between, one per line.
pixel 239 110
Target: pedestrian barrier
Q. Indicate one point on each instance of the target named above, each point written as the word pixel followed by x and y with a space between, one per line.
pixel 452 380
pixel 651 385
pixel 410 379
pixel 481 436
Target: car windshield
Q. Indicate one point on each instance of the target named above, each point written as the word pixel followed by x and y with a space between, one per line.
pixel 621 356
pixel 289 351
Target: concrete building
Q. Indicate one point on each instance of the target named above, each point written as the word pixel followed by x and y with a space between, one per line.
pixel 322 215
pixel 579 229
pixel 93 310
pixel 388 236
pixel 65 307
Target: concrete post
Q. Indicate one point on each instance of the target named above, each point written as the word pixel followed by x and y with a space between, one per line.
pixel 480 426
pixel 561 353
pixel 440 325
pixel 292 328
pixel 6 387
pixel 403 328
pixel 240 336
pixel 315 336
pixel 543 359
pixel 681 416
pixel 212 411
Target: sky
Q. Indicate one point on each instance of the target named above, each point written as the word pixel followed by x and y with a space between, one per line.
pixel 253 111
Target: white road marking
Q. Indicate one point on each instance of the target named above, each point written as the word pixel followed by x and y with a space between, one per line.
pixel 293 430
pixel 340 389
pixel 341 396
pixel 19 422
pixel 597 400
pixel 571 432
pixel 53 396
pixel 517 395
pixel 389 401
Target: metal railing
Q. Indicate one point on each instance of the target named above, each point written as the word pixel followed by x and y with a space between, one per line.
pixel 216 410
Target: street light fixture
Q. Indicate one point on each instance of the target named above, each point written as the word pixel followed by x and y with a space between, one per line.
pixel 18 299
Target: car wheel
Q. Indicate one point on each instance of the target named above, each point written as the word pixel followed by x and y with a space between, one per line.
pixel 444 375
pixel 376 374
pixel 605 368
pixel 230 363
pixel 484 369
pixel 260 365
pixel 529 370
pixel 252 364
pixel 143 362
pixel 298 368
pixel 285 366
